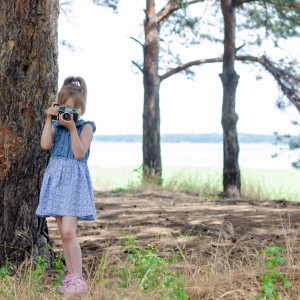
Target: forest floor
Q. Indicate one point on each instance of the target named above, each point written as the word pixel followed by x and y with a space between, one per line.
pixel 180 220
pixel 217 243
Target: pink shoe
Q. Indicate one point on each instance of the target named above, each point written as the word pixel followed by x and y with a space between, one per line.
pixel 73 283
pixel 67 278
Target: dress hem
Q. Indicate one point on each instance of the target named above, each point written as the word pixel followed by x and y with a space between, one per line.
pixel 84 218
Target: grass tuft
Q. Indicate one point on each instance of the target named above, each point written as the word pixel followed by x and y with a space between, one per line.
pixel 134 270
pixel 255 184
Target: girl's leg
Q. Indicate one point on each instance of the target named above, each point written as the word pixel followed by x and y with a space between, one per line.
pixel 71 247
pixel 59 225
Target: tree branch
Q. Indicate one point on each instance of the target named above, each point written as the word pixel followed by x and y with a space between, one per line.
pixel 171 6
pixel 136 40
pixel 287 81
pixel 185 66
pixel 113 4
pixel 237 3
pixel 295 5
pixel 138 66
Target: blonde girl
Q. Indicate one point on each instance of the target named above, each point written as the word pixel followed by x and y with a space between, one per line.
pixel 67 192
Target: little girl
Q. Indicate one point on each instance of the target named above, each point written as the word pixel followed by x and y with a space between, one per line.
pixel 67 192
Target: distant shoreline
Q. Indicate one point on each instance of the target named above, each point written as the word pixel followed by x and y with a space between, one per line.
pixel 190 138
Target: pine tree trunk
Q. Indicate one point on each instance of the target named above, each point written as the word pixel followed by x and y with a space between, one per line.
pixel 152 169
pixel 28 77
pixel 229 77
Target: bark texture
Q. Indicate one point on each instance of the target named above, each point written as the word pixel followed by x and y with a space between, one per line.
pixel 28 84
pixel 229 77
pixel 152 166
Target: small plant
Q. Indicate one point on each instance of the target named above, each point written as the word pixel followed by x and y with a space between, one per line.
pixel 151 271
pixel 60 269
pixel 176 288
pixel 136 177
pixel 35 273
pixel 99 275
pixel 6 269
pixel 120 189
pixel 41 266
pixel 272 278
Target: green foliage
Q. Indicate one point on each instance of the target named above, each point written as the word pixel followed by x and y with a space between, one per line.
pixel 136 177
pixel 204 182
pixel 279 19
pixel 41 266
pixel 113 4
pixel 151 271
pixel 292 142
pixel 34 276
pixel 6 280
pixel 270 184
pixel 60 269
pixel 6 269
pixel 272 278
pixel 256 184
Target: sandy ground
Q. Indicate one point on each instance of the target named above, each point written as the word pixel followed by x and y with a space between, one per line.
pixel 163 216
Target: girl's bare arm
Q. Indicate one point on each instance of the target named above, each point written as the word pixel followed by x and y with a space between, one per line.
pixel 48 133
pixel 79 143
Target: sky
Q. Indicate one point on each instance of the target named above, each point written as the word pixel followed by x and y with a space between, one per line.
pixel 103 54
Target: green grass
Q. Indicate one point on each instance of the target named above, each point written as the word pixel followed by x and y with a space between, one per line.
pixel 149 272
pixel 177 268
pixel 203 182
pixel 271 184
pixel 256 184
pixel 110 179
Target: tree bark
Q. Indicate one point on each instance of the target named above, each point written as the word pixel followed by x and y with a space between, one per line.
pixel 28 76
pixel 229 77
pixel 152 166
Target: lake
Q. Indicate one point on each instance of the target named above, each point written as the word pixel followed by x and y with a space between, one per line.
pixel 185 155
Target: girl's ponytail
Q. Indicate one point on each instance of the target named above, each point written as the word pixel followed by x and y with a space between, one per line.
pixel 83 86
pixel 79 82
pixel 75 87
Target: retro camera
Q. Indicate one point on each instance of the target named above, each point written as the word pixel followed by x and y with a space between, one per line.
pixel 66 112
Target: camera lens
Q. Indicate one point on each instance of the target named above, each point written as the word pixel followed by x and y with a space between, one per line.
pixel 66 116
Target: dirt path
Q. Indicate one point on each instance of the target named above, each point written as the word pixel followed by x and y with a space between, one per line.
pixel 162 215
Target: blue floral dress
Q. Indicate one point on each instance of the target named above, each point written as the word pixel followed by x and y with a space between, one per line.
pixel 67 188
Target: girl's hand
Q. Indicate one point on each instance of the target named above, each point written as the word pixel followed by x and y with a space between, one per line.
pixel 68 124
pixel 51 111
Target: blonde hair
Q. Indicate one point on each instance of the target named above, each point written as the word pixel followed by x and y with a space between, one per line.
pixel 75 88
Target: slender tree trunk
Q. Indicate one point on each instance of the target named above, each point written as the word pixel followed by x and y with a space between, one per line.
pixel 151 116
pixel 229 77
pixel 28 77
